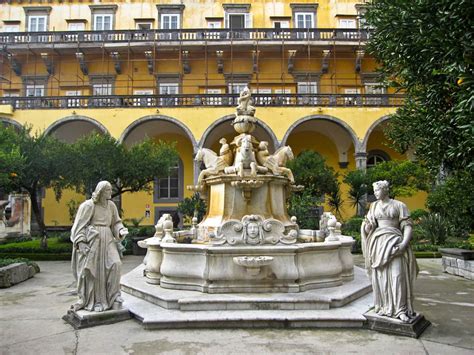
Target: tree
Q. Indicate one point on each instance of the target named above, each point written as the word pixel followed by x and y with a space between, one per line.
pixel 42 163
pixel 357 181
pixel 193 206
pixel 318 179
pixel 101 157
pixel 405 178
pixel 426 49
pixel 454 201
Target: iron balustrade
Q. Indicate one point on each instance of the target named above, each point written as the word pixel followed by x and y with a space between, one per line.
pixel 185 35
pixel 201 100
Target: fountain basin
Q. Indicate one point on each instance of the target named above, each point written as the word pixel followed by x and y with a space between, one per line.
pixel 293 268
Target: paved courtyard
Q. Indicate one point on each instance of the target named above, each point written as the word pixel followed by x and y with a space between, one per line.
pixel 30 316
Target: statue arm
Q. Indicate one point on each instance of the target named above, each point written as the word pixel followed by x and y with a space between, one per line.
pixel 118 228
pixel 406 226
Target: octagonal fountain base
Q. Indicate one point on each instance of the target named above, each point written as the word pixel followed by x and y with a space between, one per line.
pixel 335 307
pixel 262 268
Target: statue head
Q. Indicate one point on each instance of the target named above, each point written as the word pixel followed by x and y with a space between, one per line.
pixel 245 91
pixel 223 141
pixel 381 189
pixel 252 230
pixel 102 190
pixel 253 233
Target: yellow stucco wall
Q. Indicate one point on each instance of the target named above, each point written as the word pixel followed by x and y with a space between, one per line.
pixel 197 120
pixel 194 15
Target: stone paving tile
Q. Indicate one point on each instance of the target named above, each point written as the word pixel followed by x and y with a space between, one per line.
pixel 30 323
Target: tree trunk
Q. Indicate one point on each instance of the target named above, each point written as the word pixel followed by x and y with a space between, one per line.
pixel 36 207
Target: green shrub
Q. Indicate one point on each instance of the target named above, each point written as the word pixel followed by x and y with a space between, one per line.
pixel 302 206
pixel 435 228
pixel 55 246
pixel 418 213
pixel 352 225
pixel 454 200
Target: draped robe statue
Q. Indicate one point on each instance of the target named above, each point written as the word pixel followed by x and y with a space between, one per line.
pixel 96 263
pixel 390 262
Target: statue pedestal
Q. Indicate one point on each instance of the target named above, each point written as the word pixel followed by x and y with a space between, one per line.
pixel 232 197
pixel 394 326
pixel 85 319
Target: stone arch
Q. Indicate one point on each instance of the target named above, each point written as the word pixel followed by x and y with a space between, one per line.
pixel 135 124
pixel 374 125
pixel 264 130
pixel 336 137
pixel 8 121
pixel 169 129
pixel 77 121
pixel 333 119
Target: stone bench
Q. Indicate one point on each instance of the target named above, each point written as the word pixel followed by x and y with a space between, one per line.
pixel 15 273
pixel 458 262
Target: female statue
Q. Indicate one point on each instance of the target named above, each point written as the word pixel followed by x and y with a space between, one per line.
pixel 386 233
pixel 96 264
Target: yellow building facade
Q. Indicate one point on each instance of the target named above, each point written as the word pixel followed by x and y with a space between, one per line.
pixel 172 70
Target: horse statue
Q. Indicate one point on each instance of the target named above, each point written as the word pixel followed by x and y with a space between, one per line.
pixel 276 162
pixel 214 163
pixel 245 158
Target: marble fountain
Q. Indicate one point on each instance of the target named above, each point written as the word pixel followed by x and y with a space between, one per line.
pixel 247 263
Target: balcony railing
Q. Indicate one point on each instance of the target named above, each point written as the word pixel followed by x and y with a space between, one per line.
pixel 201 100
pixel 184 35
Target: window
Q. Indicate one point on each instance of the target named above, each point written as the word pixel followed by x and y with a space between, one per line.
pixel 170 21
pixel 170 188
pixel 214 24
pixel 309 89
pixel 168 185
pixel 281 24
pixel 102 89
pixel 76 26
pixel 262 100
pixel 376 157
pixel 304 19
pixel 37 18
pixel 237 88
pixel 376 89
pixel 210 34
pixel 351 96
pixel 148 25
pixel 37 23
pixel 170 89
pixel 102 22
pixel 214 100
pixel 283 100
pixel 349 23
pixel 237 16
pixel 102 86
pixel 11 27
pixel 143 101
pixel 34 90
pixel 103 18
pixel 73 102
pixel 15 104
